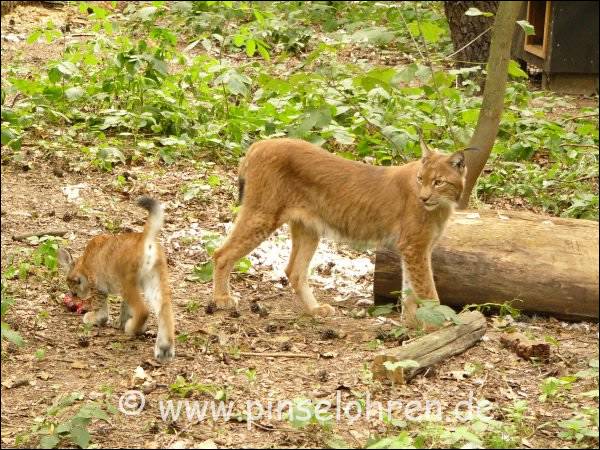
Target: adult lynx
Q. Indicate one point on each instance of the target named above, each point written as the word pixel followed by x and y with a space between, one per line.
pixel 315 192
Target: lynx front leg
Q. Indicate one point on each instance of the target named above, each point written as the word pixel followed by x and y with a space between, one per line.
pixel 98 317
pixel 304 245
pixel 249 231
pixel 416 273
pixel 124 315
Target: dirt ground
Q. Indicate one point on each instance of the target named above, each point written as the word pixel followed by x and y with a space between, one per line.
pixel 327 358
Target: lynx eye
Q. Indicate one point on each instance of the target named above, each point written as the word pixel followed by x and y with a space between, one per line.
pixel 438 183
pixel 419 179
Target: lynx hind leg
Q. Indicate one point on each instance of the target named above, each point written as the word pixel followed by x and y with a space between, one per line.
pixel 158 295
pixel 250 230
pixel 304 244
pixel 99 316
pixel 137 308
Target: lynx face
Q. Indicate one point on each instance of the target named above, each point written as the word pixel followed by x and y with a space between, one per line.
pixel 441 179
pixel 78 283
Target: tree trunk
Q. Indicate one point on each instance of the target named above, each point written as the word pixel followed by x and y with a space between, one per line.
pixel 544 265
pixel 493 96
pixel 431 349
pixel 464 29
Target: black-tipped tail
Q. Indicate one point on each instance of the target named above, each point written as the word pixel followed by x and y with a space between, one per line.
pixel 148 203
pixel 155 219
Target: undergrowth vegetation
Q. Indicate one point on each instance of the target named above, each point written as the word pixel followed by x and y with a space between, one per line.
pixel 164 81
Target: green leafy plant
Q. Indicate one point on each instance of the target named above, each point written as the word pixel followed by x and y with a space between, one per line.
pixel 578 429
pixel 432 313
pixel 303 413
pixel 7 332
pixel 552 387
pixel 502 309
pixel 57 427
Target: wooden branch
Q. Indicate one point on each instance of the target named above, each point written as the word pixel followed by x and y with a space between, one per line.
pixel 432 348
pixel 525 347
pixel 22 237
pixel 277 355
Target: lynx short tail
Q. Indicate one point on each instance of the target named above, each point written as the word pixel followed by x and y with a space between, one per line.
pixel 155 219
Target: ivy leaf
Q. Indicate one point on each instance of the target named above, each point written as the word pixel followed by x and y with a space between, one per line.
pixel 250 47
pixel 243 265
pixel 146 13
pixel 380 310
pixel 80 435
pixel 67 68
pixel 33 37
pixel 431 316
pixel 431 32
pixel 11 335
pixel 343 137
pixel 49 441
pixel 514 70
pixel 54 75
pixel 527 27
pixel 263 52
pixel 202 272
pixel 92 411
pixel 74 93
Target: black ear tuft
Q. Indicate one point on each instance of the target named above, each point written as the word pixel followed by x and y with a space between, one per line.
pixel 425 150
pixel 457 160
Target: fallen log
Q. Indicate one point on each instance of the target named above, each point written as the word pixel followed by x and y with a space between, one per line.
pixel 550 265
pixel 525 347
pixel 431 348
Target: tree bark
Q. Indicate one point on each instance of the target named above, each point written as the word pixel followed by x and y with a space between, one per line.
pixel 493 96
pixel 545 265
pixel 465 29
pixel 432 348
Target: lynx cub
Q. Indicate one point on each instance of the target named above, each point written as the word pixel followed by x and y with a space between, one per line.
pixel 315 192
pixel 126 264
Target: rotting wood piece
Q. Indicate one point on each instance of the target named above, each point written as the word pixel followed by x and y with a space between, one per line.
pixel 431 348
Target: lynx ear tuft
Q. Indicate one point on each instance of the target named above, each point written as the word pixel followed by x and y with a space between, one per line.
pixel 425 150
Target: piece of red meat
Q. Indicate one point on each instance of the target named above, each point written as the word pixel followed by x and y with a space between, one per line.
pixel 74 304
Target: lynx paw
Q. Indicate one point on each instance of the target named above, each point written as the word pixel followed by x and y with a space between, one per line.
pixel 226 301
pixel 131 329
pixel 324 310
pixel 164 352
pixel 95 318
